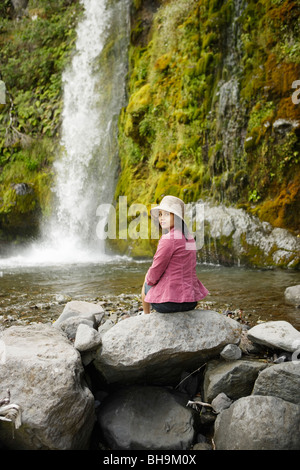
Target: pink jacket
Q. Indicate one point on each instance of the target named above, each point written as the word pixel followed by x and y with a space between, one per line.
pixel 173 271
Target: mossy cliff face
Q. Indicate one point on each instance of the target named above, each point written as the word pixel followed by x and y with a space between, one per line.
pixel 212 112
pixel 35 45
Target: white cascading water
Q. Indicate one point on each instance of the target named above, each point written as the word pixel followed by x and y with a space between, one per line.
pixel 94 92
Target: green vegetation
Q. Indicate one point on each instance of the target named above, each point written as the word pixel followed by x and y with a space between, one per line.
pixel 34 51
pixel 208 86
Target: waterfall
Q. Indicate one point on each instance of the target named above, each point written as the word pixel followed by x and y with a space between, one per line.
pixel 86 167
pixel 94 92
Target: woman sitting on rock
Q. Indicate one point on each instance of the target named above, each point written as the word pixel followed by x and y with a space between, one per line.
pixel 171 283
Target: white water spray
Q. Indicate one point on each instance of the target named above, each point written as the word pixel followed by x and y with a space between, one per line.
pixel 94 92
pixel 93 95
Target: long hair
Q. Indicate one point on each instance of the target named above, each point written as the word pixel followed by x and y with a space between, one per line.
pixel 181 225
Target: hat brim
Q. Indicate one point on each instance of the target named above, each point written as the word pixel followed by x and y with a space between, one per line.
pixel 155 211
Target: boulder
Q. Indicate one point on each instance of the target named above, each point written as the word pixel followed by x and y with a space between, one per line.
pixel 292 294
pixel 280 380
pixel 157 348
pixel 44 374
pixel 258 423
pixel 236 379
pixel 148 418
pixel 77 312
pixel 276 335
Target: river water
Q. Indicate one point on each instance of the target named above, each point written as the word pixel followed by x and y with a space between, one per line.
pixel 38 293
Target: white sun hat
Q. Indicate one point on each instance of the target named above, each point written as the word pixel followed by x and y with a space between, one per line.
pixel 170 204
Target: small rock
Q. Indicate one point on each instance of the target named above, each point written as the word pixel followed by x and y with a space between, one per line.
pixel 221 402
pixel 283 357
pixel 86 338
pixel 292 294
pixel 231 352
pixel 62 299
pixel 276 334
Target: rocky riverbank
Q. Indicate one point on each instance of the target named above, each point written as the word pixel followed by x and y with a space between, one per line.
pixel 197 380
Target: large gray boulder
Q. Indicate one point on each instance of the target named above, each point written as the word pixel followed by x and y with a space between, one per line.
pixel 280 380
pixel 258 423
pixel 44 374
pixel 157 348
pixel 148 418
pixel 276 335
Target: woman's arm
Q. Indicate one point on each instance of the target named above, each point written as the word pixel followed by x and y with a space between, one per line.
pixel 161 260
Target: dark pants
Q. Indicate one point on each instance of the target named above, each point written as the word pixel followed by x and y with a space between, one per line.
pixel 171 307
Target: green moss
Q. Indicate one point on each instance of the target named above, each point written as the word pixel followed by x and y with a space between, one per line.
pixel 175 142
pixel 283 209
pixel 140 100
pixel 34 53
pixel 167 184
